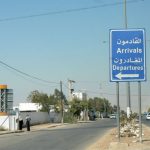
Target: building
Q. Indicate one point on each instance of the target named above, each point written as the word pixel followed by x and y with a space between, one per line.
pixel 79 95
pixel 6 99
pixel 29 107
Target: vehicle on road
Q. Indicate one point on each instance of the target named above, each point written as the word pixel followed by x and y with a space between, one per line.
pixel 148 116
pixel 112 116
pixel 92 115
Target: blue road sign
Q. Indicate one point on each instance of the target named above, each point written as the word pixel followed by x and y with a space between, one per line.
pixel 127 55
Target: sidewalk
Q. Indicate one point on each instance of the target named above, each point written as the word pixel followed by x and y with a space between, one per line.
pixel 33 128
pixel 125 146
pixel 39 127
pixel 109 141
pixel 44 126
pixel 130 143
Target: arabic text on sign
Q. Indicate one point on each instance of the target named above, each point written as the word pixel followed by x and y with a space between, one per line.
pixel 129 60
pixel 135 40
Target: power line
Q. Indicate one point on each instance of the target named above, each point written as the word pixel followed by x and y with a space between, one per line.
pixel 28 75
pixel 113 94
pixel 106 93
pixel 28 79
pixel 65 11
pixel 65 86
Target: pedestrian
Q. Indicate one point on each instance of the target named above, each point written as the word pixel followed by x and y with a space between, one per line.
pixel 28 119
pixel 20 123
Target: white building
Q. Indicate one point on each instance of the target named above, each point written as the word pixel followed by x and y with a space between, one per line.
pixel 79 95
pixel 29 107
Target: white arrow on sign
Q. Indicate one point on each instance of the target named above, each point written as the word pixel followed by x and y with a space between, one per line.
pixel 120 75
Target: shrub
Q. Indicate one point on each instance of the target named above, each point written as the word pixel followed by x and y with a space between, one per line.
pixel 128 125
pixel 69 118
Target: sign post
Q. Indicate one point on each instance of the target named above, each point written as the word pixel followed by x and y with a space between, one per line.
pixel 140 117
pixel 127 55
pixel 127 62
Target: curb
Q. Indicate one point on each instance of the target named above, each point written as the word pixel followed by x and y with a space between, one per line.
pixel 10 132
pixel 39 127
pixel 33 128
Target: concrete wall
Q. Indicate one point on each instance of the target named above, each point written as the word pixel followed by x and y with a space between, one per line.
pixel 10 122
pixel 36 117
pixel 41 117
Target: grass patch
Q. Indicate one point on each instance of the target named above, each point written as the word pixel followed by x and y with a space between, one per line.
pixel 69 118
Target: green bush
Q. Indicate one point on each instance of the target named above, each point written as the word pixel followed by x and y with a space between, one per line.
pixel 69 118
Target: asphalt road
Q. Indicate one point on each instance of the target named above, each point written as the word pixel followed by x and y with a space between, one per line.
pixel 146 122
pixel 68 137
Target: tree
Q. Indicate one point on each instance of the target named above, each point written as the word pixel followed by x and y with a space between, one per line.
pixel 46 101
pixel 34 96
pixel 76 107
pixel 101 105
pixel 95 104
pixel 58 96
pixel 107 106
pixel 41 98
pixel 115 109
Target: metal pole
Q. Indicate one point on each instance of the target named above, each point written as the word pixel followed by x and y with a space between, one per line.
pixel 140 118
pixel 62 104
pixel 128 83
pixel 69 88
pixel 128 100
pixel 118 110
pixel 125 14
pixel 9 122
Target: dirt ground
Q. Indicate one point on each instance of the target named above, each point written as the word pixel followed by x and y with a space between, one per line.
pixel 111 136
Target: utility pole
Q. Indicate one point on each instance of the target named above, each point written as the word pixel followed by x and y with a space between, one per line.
pixel 128 83
pixel 101 94
pixel 70 88
pixel 62 103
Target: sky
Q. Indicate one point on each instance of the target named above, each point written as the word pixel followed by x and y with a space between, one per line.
pixel 57 40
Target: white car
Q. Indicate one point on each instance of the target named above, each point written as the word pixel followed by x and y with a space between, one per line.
pixel 148 116
pixel 112 116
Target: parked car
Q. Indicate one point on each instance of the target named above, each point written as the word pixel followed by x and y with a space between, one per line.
pixel 148 116
pixel 112 116
pixel 91 115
